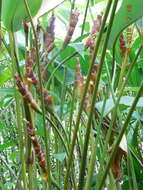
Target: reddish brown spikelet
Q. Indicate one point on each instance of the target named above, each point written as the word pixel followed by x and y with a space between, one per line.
pixel 30 75
pixel 93 77
pixel 79 80
pixel 33 54
pixel 80 84
pixel 95 29
pixel 23 89
pixel 47 99
pixel 38 152
pixel 122 45
pixel 38 28
pixel 49 35
pixel 29 65
pixel 26 28
pixel 72 25
pixel 129 39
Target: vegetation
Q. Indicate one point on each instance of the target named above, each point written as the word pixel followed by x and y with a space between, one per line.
pixel 71 98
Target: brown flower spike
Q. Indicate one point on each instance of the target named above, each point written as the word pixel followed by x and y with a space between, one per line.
pixel 23 89
pixel 49 35
pixel 72 25
pixel 38 152
pixel 95 29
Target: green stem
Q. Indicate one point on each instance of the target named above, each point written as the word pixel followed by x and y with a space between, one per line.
pixel 94 149
pixel 88 128
pixel 85 15
pixel 41 95
pixel 70 158
pixel 117 104
pixel 18 113
pixel 117 142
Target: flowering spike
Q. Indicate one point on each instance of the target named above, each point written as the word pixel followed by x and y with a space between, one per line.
pixel 49 35
pixel 122 45
pixel 72 25
pixel 95 29
pixel 38 152
pixel 23 89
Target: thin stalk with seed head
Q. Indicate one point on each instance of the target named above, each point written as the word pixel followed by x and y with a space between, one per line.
pixel 70 158
pixel 88 128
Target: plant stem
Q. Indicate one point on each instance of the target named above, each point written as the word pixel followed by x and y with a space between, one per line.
pixel 18 113
pixel 88 128
pixel 70 158
pixel 41 95
pixel 108 136
pixel 118 140
pixel 85 15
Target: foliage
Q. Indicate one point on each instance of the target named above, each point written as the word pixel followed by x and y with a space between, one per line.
pixel 71 95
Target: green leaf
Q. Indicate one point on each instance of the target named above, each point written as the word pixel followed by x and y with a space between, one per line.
pixel 79 47
pixel 5 75
pixel 60 156
pixel 6 145
pixel 125 100
pixel 6 91
pixel 129 12
pixel 13 13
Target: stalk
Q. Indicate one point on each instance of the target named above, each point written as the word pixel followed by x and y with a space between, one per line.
pixel 70 159
pixel 19 114
pixel 94 149
pixel 117 104
pixel 118 140
pixel 88 128
pixel 85 15
pixel 41 95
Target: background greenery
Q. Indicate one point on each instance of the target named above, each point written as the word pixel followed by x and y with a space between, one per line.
pixel 80 142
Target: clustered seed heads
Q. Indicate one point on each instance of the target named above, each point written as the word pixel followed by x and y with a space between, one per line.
pixel 122 45
pixel 93 76
pixel 129 39
pixel 79 80
pixel 38 152
pixel 49 35
pixel 47 98
pixel 80 84
pixel 32 78
pixel 95 29
pixel 72 25
pixel 23 89
pixel 30 75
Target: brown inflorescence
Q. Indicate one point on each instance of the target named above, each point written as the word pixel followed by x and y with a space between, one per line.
pixel 32 78
pixel 49 35
pixel 95 29
pixel 93 76
pixel 30 75
pixel 79 80
pixel 37 148
pixel 122 45
pixel 72 25
pixel 23 89
pixel 80 84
